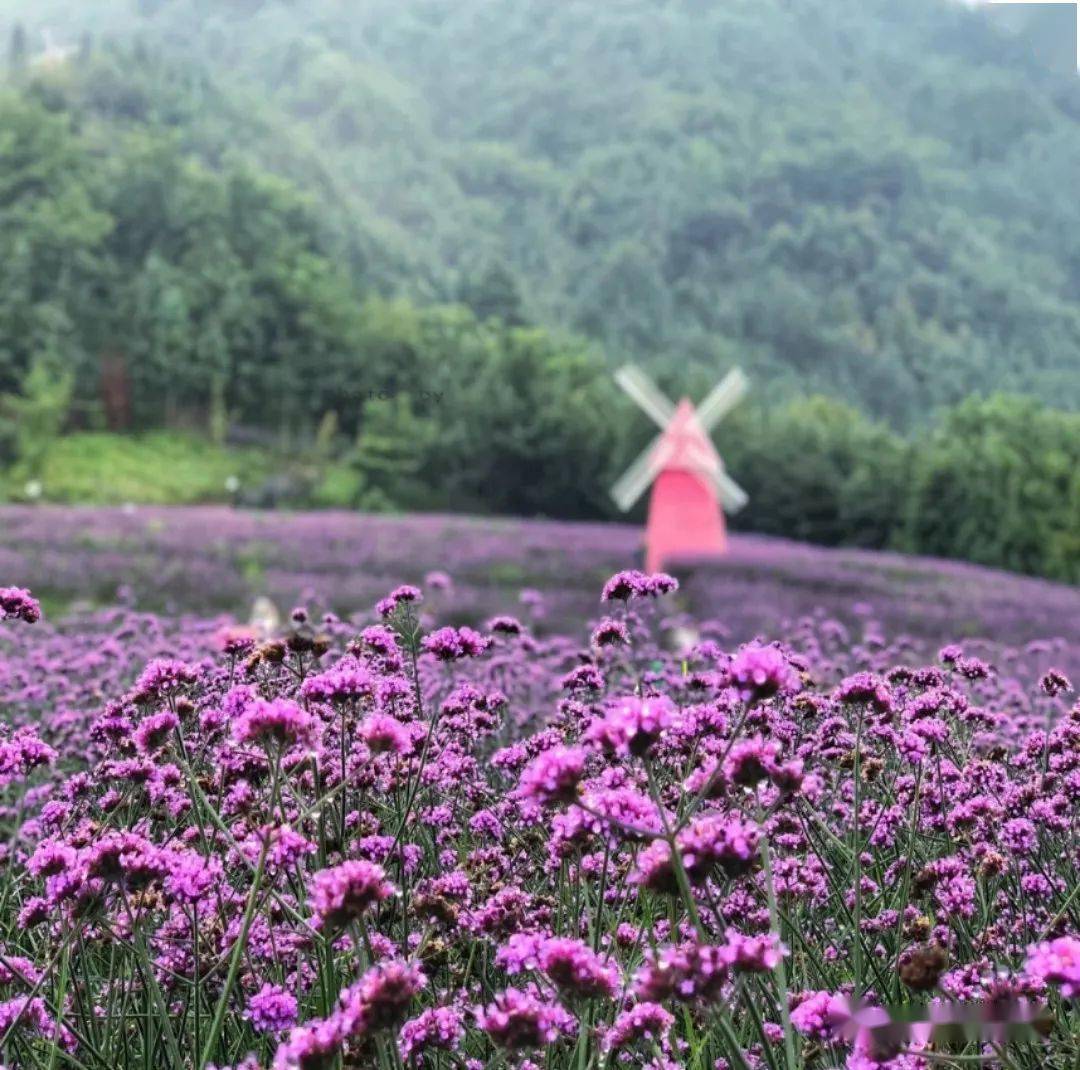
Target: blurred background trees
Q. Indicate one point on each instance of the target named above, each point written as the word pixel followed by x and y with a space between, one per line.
pixel 243 224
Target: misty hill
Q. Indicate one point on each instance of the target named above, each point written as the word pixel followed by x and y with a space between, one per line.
pixel 846 195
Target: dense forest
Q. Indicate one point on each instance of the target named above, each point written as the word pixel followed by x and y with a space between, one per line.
pixel 255 216
pixel 844 195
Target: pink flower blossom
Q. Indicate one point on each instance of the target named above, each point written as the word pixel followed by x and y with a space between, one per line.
pixel 344 893
pixel 1056 962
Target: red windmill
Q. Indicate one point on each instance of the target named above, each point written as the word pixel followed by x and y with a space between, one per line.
pixel 687 476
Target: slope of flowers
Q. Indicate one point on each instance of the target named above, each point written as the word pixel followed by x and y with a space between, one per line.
pixel 392 844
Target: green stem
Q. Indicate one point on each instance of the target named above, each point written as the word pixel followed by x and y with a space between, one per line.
pixel 858 868
pixel 781 968
pixel 234 965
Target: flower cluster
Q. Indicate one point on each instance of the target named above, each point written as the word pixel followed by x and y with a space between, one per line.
pixel 278 721
pixel 1057 962
pixel 624 586
pixel 450 644
pixel 16 603
pixel 759 672
pixel 553 776
pixel 404 595
pixel 632 724
pixel 343 894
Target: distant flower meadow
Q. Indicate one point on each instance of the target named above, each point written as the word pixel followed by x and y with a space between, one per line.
pixel 396 841
pixel 211 559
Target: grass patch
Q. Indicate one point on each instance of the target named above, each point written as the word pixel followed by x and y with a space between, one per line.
pixel 158 468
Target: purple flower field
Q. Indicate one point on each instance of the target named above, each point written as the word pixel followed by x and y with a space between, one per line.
pixel 209 560
pixel 478 802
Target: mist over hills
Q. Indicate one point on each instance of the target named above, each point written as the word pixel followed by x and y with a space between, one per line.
pixel 847 197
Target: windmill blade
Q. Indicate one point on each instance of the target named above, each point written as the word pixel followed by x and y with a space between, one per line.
pixel 636 479
pixel 646 393
pixel 722 398
pixel 732 496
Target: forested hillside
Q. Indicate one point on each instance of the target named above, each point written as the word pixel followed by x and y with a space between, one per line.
pixel 845 195
pixel 405 242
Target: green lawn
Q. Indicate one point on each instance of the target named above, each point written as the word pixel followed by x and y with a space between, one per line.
pixel 158 468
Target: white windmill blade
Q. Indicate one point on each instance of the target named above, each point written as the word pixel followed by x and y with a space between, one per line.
pixel 722 398
pixel 646 393
pixel 731 495
pixel 636 479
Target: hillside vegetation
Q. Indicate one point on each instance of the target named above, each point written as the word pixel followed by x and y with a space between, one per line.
pixel 263 215
pixel 842 194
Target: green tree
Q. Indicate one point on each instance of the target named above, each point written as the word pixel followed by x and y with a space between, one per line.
pixel 32 419
pixel 52 268
pixel 996 484
pixel 493 293
pixel 390 454
pixel 817 470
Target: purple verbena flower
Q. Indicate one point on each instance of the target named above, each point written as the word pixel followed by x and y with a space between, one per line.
pixel 759 672
pixel 576 970
pixel 437 1028
pixel 632 724
pixel 271 1010
pixel 1056 962
pixel 403 595
pixel 553 776
pixel 16 603
pixel 518 1020
pixel 344 893
pixel 451 644
pixel 275 721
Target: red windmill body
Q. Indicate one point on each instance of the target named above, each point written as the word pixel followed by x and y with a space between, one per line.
pixel 685 518
pixel 687 476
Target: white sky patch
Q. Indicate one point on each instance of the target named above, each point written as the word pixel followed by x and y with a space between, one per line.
pixel 1075 4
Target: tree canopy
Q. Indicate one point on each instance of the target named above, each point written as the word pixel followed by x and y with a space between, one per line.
pixel 859 200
